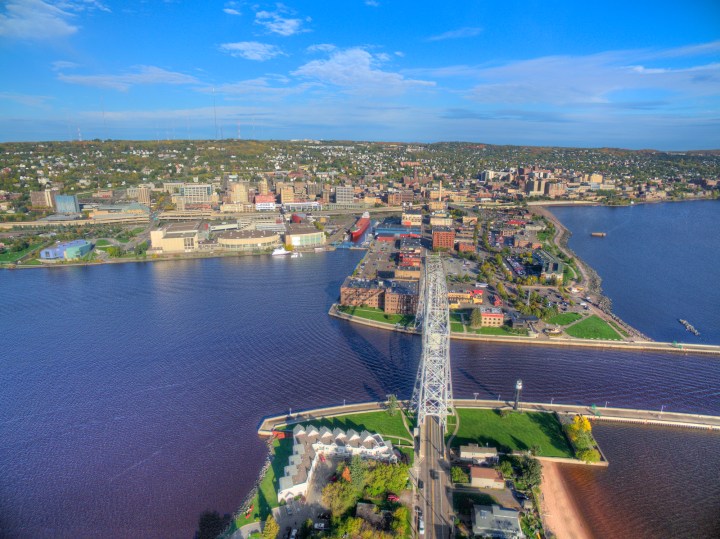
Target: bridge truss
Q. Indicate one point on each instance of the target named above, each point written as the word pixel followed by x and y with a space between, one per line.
pixel 432 395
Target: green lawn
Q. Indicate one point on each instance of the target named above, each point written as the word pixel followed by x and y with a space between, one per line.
pixel 32 262
pixel 618 328
pixel 518 431
pixel 377 314
pixel 12 257
pixel 136 231
pixel 375 422
pixel 564 319
pixel 593 327
pixel 456 327
pixel 102 243
pixel 502 330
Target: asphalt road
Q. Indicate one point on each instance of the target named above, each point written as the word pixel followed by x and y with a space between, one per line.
pixel 434 497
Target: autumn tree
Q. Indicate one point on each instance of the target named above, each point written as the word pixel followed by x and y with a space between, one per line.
pixel 476 318
pixel 271 528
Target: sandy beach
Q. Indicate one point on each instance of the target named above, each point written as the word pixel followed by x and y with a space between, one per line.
pixel 561 513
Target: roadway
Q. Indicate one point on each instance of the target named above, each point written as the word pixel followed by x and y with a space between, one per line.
pixel 434 497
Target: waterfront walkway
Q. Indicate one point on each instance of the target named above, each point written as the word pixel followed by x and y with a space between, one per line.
pixel 645 346
pixel 624 415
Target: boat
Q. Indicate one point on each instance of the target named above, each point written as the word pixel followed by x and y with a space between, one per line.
pixel 280 251
pixel 598 234
pixel 296 255
pixel 360 226
pixel 689 326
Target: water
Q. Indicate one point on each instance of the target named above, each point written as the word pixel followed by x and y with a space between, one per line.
pixel 130 394
pixel 658 263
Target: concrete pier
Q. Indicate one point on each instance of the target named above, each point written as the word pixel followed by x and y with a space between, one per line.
pixel 623 415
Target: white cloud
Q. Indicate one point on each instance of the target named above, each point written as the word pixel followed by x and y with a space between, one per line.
pixel 35 19
pixel 25 99
pixel 372 3
pixel 143 75
pixel 277 23
pixel 357 70
pixel 231 11
pixel 456 34
pixel 321 47
pixel 399 54
pixel 261 88
pixel 63 64
pixel 251 50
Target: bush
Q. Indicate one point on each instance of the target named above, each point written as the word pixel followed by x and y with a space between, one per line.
pixel 459 475
pixel 589 455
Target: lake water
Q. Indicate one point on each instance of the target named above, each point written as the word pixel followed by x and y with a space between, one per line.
pixel 130 394
pixel 658 263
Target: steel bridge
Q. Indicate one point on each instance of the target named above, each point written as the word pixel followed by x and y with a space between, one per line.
pixel 433 386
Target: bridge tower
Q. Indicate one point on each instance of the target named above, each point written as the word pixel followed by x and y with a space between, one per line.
pixel 433 386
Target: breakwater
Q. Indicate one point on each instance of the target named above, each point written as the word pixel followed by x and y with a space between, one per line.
pixel 623 415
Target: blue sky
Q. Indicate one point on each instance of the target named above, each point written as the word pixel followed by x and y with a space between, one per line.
pixel 623 74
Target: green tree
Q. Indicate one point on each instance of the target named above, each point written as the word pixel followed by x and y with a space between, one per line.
pixel 530 471
pixel 506 468
pixel 399 525
pixel 476 318
pixel 271 529
pixel 589 455
pixel 386 478
pixel 459 475
pixel 339 497
pixel 358 473
pixel 392 405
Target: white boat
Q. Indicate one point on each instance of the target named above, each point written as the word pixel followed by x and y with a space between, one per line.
pixel 280 251
pixel 296 255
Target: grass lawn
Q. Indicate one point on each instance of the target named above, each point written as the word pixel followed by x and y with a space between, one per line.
pixel 378 315
pixel 618 328
pixel 32 262
pixel 464 501
pixel 102 243
pixel 14 257
pixel 456 327
pixel 593 327
pixel 502 330
pixel 564 319
pixel 518 431
pixel 136 231
pixel 379 422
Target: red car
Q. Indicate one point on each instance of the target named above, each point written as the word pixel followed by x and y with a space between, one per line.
pixel 393 498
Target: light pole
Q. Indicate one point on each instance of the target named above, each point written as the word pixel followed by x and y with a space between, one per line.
pixel 606 403
pixel 290 413
pixel 661 409
pixel 551 400
pixel 476 394
pixel 498 398
pixel 343 402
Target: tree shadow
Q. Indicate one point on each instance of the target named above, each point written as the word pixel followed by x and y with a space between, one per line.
pixel 551 428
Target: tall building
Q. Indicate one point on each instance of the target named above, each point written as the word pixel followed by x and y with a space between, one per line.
pixel 262 187
pixel 41 199
pixel 239 193
pixel 287 194
pixel 143 195
pixel 67 204
pixel 344 194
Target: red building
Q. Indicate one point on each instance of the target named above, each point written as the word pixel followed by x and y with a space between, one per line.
pixel 443 238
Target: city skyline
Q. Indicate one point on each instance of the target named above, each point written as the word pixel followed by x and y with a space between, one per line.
pixel 615 75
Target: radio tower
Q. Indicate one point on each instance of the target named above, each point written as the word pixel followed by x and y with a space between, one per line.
pixel 432 395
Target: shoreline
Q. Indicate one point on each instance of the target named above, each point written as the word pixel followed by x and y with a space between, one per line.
pixel 648 346
pixel 559 510
pixel 151 258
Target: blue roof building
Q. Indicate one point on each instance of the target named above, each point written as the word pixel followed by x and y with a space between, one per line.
pixel 67 204
pixel 69 250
